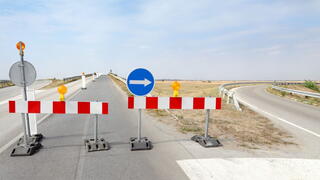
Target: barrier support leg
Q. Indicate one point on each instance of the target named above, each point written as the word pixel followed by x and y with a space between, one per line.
pixel 140 143
pixel 206 140
pixel 96 144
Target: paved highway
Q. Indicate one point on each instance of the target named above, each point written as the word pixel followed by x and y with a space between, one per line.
pixel 302 120
pixel 11 124
pixel 14 91
pixel 173 156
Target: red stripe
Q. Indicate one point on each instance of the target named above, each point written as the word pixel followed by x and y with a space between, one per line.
pixel 198 103
pixel 152 103
pixel 175 103
pixel 130 102
pixel 218 103
pixel 59 107
pixel 12 106
pixel 33 106
pixel 105 107
pixel 83 107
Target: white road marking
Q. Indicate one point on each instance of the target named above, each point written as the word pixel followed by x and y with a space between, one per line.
pixel 15 139
pixel 17 97
pixel 251 169
pixel 279 118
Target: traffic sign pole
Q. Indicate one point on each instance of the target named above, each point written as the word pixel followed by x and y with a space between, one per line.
pixel 140 82
pixel 139 126
pixel 28 145
pixel 25 117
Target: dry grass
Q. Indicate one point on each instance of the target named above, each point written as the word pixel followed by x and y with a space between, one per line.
pixel 299 87
pixel 303 99
pixel 121 85
pixel 246 129
pixel 6 84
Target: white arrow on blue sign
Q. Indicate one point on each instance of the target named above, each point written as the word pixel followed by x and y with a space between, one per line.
pixel 140 82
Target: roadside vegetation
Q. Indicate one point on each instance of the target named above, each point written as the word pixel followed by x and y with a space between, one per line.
pixel 6 84
pixel 244 129
pixel 309 86
pixel 56 83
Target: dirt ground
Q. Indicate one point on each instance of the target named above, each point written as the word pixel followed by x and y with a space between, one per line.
pixel 244 129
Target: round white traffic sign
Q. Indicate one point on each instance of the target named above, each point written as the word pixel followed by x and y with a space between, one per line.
pixel 16 73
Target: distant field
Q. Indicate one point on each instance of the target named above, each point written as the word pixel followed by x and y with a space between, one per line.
pixel 245 129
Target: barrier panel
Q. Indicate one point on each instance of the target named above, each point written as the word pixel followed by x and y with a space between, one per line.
pixel 206 103
pixel 59 107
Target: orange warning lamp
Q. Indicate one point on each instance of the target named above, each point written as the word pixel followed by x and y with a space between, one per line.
pixel 175 86
pixel 22 45
pixel 62 90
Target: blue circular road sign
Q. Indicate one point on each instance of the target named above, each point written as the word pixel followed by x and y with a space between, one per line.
pixel 140 82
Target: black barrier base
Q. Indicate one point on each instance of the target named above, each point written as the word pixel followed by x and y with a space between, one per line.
pixel 99 145
pixel 83 88
pixel 143 144
pixel 37 137
pixel 28 150
pixel 206 142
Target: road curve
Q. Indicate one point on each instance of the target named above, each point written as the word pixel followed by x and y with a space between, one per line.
pixel 301 119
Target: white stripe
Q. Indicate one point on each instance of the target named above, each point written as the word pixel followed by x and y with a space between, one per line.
pixel 46 106
pixel 276 117
pixel 21 107
pixel 209 103
pixel 95 107
pixel 71 107
pixel 163 102
pixel 139 102
pixel 187 103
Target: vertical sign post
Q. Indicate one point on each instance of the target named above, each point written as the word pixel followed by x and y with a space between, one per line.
pixel 140 82
pixel 23 74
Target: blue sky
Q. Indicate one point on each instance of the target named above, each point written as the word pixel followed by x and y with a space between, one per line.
pixel 186 39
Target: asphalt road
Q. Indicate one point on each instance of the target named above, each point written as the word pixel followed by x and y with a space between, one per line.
pixel 11 124
pixel 64 155
pixel 302 120
pixel 13 91
pixel 174 155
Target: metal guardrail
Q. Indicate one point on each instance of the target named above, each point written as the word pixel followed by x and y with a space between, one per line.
pixel 5 81
pixel 73 78
pixel 292 91
pixel 232 96
pixel 119 78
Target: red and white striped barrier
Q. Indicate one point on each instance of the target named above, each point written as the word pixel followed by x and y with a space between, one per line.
pixel 141 102
pixel 58 107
